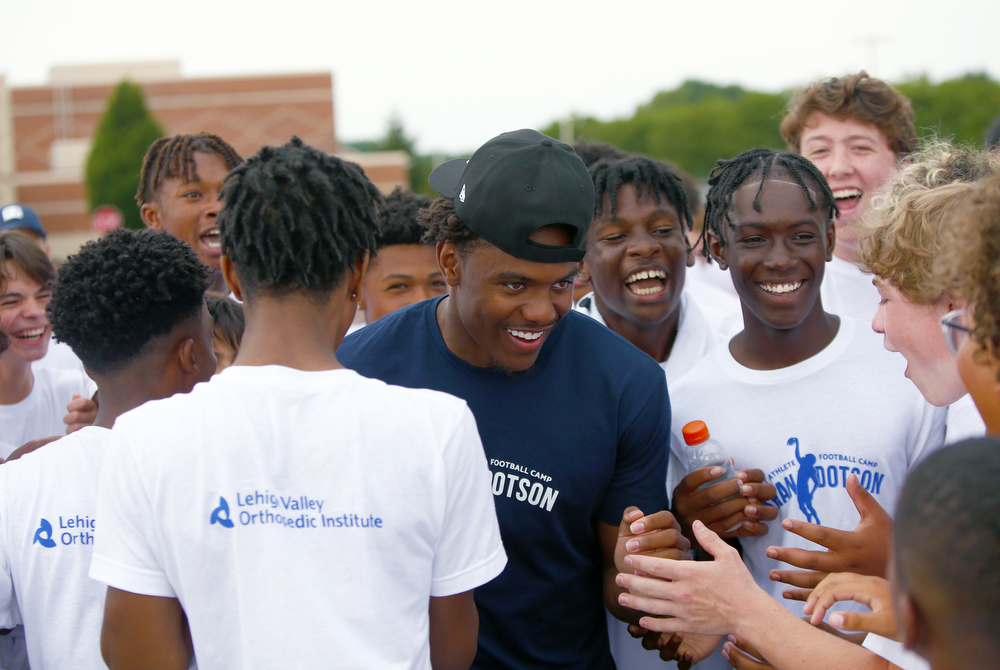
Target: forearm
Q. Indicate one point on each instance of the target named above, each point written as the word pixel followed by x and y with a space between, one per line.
pixel 790 643
pixel 454 631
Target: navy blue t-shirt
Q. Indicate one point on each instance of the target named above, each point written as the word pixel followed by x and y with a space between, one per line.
pixel 577 439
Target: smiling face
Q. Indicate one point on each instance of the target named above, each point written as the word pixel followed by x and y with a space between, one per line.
pixel 776 256
pixel 400 275
pixel 502 308
pixel 914 331
pixel 856 160
pixel 22 314
pixel 636 259
pixel 188 209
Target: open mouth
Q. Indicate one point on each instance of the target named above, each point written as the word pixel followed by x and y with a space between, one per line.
pixel 848 197
pixel 781 289
pixel 31 336
pixel 212 240
pixel 647 282
pixel 526 335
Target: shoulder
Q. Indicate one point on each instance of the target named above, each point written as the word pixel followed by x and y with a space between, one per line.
pixel 403 324
pixel 600 346
pixel 64 455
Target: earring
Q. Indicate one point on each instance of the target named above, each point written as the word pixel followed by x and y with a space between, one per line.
pixel 354 296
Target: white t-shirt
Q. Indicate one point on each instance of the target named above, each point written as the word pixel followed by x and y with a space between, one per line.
pixel 41 413
pixel 48 501
pixel 895 652
pixel 321 509
pixel 695 338
pixel 964 421
pixel 847 291
pixel 848 409
pixel 59 357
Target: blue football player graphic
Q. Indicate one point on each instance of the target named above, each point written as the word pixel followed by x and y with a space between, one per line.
pixel 807 474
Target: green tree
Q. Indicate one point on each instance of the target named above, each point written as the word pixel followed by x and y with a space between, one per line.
pixel 123 135
pixel 961 108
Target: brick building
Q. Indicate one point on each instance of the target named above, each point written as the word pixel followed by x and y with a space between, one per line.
pixel 45 131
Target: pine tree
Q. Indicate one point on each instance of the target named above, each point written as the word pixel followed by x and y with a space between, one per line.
pixel 123 135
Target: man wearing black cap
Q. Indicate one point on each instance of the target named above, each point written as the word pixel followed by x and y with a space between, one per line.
pixel 574 420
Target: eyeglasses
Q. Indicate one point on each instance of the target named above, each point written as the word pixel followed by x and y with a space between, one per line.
pixel 954 329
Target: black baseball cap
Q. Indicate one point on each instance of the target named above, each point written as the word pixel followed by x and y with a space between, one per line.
pixel 515 184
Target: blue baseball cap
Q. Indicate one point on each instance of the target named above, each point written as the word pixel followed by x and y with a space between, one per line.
pixel 15 216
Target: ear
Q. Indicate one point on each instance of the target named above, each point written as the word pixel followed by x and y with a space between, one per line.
pixel 450 262
pixel 356 275
pixel 915 631
pixel 831 239
pixel 185 357
pixel 150 213
pixel 716 250
pixel 584 275
pixel 229 274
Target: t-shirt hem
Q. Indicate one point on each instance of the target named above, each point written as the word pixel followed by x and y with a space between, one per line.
pixel 472 577
pixel 124 578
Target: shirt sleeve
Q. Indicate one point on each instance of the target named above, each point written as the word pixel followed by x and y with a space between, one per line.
pixel 469 552
pixel 125 552
pixel 641 463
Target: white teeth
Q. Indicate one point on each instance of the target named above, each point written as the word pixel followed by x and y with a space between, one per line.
pixel 781 288
pixel 31 334
pixel 524 335
pixel 646 291
pixel 646 274
pixel 847 193
pixel 212 239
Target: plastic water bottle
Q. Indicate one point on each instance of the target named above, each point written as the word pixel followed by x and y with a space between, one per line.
pixel 704 452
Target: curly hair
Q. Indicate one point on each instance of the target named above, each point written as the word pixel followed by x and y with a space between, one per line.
pixel 296 219
pixel 173 157
pixel 227 317
pixel 855 96
pixel 728 175
pixel 594 152
pixel 398 218
pixel 121 292
pixel 901 234
pixel 969 263
pixel 441 224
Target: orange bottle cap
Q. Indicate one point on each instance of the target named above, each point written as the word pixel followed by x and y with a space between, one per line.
pixel 695 432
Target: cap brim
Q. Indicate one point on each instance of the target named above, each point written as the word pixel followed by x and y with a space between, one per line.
pixel 445 178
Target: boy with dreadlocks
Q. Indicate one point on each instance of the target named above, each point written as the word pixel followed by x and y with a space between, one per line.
pixel 179 187
pixel 131 306
pixel 637 256
pixel 403 270
pixel 855 130
pixel 811 399
pixel 288 498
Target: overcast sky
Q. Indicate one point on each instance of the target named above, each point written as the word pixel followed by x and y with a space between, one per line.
pixel 458 73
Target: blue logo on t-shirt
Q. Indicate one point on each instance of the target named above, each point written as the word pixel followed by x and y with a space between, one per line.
pixel 43 535
pixel 220 514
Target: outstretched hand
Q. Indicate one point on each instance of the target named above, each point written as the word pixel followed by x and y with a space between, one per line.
pixel 872 592
pixel 709 597
pixel 864 550
pixel 710 506
pixel 658 534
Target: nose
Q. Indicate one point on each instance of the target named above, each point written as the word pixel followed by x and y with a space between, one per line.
pixel 840 163
pixel 778 257
pixel 878 321
pixel 423 293
pixel 213 207
pixel 643 245
pixel 539 309
pixel 35 308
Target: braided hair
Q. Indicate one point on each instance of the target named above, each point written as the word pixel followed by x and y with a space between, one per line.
pixel 729 175
pixel 296 218
pixel 173 157
pixel 120 292
pixel 659 180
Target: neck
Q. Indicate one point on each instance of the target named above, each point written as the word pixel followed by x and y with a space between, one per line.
pixel 294 331
pixel 16 379
pixel 656 340
pixel 845 253
pixel 118 397
pixel 760 347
